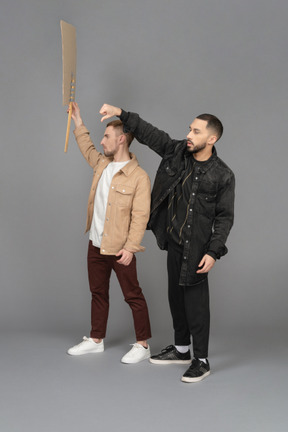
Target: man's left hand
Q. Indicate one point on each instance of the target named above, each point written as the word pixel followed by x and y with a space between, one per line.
pixel 126 257
pixel 207 262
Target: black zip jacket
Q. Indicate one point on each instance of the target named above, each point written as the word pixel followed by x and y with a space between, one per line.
pixel 211 210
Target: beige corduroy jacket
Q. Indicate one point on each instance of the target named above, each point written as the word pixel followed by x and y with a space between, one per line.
pixel 128 205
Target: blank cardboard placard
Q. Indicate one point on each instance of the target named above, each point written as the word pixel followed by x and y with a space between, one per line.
pixel 68 33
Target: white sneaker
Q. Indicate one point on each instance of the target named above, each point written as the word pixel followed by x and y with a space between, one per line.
pixel 87 346
pixel 136 354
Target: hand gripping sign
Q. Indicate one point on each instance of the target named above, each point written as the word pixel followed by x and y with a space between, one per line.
pixel 68 33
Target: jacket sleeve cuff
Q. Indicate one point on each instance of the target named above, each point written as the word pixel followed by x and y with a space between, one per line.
pixel 212 254
pixel 133 248
pixel 123 116
pixel 217 249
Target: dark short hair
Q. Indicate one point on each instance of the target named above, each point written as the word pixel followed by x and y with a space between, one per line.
pixel 212 123
pixel 117 124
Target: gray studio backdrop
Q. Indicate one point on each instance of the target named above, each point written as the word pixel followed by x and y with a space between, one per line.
pixel 169 61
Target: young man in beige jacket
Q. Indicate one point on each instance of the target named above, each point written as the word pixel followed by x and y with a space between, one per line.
pixel 118 212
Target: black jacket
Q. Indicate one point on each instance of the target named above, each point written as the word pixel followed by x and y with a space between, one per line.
pixel 211 213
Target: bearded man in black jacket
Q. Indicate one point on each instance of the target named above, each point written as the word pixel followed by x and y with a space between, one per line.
pixel 192 212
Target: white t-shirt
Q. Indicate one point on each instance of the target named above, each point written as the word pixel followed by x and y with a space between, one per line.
pixel 100 203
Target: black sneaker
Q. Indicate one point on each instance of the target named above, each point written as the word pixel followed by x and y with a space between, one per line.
pixel 197 371
pixel 170 355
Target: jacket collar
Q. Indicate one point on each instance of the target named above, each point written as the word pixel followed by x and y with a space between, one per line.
pixel 129 167
pixel 205 165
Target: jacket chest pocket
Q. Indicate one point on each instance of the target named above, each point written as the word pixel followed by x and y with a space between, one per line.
pixel 206 204
pixel 124 195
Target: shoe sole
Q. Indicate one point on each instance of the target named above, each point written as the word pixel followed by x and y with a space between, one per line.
pixel 84 353
pixel 170 361
pixel 133 361
pixel 196 379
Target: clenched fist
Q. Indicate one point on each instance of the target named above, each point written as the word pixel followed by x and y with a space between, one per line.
pixel 108 111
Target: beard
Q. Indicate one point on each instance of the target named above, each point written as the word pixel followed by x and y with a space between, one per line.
pixel 109 153
pixel 196 148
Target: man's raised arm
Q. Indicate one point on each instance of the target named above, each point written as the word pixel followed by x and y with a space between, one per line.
pixel 76 115
pixel 82 136
pixel 144 132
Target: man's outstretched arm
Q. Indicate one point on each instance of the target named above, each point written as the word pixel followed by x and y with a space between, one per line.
pixel 144 132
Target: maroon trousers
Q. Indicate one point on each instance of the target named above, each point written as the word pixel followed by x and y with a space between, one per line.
pixel 99 272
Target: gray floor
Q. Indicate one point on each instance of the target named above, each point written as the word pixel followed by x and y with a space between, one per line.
pixel 45 390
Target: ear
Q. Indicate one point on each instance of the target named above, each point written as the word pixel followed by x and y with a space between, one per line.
pixel 122 139
pixel 212 140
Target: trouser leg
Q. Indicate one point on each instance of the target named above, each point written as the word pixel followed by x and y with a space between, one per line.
pixel 189 306
pixel 133 295
pixel 99 271
pixel 176 299
pixel 198 316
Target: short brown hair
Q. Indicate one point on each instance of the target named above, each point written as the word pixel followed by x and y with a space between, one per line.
pixel 117 124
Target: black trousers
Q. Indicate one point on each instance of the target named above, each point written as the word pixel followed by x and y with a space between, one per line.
pixel 189 307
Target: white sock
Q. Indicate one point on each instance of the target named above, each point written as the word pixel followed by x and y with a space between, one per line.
pixel 203 359
pixel 182 348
